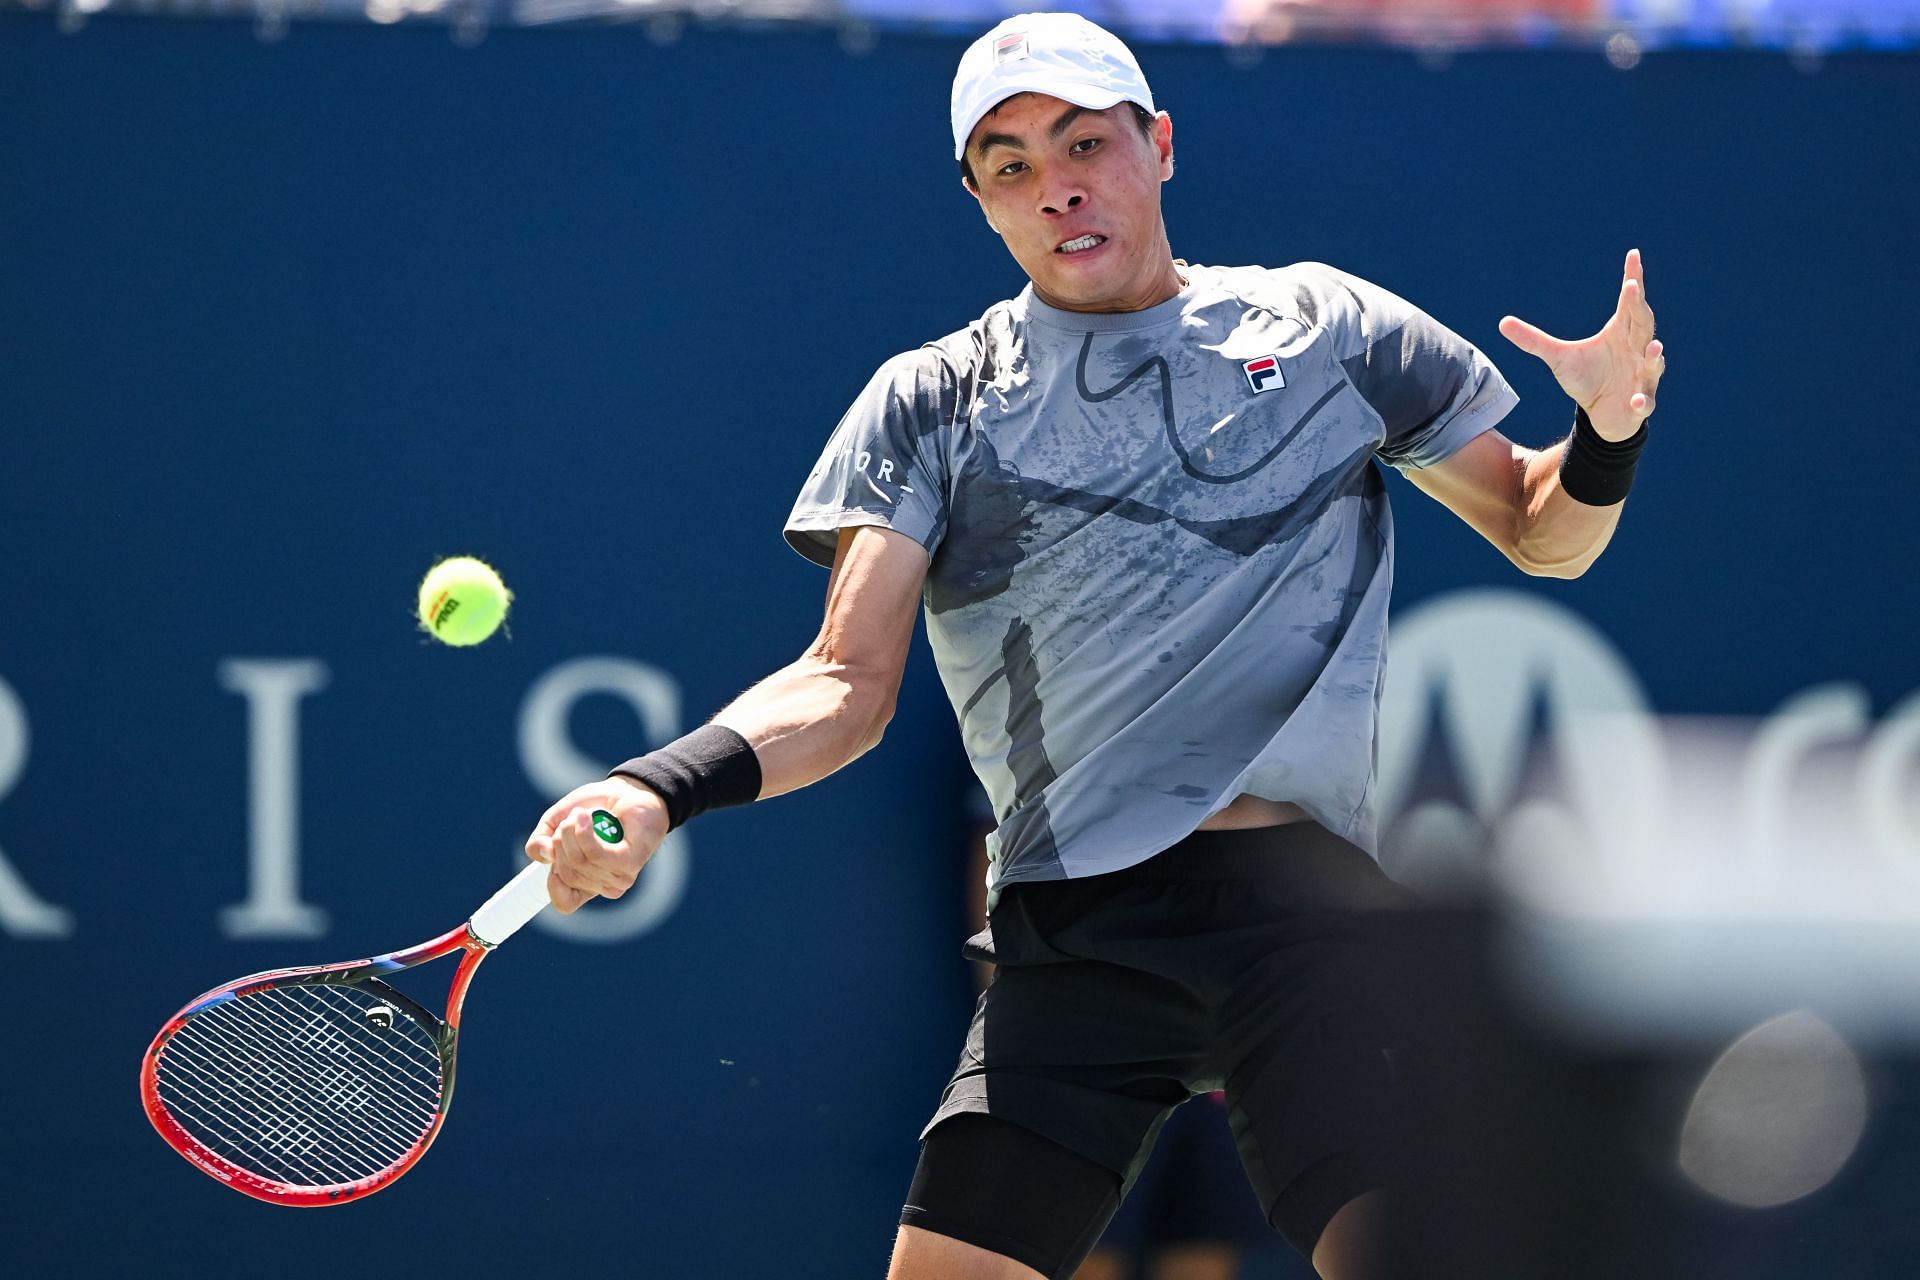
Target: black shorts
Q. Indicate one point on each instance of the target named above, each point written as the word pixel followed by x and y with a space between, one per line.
pixel 1265 963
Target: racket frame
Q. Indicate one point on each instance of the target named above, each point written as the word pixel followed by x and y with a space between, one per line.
pixel 361 973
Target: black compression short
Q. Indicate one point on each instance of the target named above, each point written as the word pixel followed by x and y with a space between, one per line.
pixel 1261 962
pixel 1042 1206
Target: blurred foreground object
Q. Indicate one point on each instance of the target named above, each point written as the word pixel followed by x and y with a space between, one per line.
pixel 1778 1114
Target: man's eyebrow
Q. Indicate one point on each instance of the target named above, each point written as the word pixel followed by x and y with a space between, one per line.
pixel 988 141
pixel 1067 117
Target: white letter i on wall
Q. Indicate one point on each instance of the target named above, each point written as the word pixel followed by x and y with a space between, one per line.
pixel 273 689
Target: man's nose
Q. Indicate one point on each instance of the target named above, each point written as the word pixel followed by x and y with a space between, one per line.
pixel 1059 202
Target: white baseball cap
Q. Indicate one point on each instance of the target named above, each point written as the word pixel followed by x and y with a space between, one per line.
pixel 1058 54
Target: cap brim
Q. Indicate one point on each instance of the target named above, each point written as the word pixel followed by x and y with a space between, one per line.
pixel 1089 96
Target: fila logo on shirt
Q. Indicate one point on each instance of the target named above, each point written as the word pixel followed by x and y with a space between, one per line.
pixel 1264 374
pixel 1009 47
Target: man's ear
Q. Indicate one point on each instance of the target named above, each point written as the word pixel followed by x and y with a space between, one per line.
pixel 975 193
pixel 1163 143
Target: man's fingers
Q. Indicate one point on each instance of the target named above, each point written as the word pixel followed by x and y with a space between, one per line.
pixel 1651 368
pixel 583 865
pixel 580 873
pixel 1535 342
pixel 1636 273
pixel 550 820
pixel 565 898
pixel 540 843
pixel 1653 363
pixel 579 861
pixel 589 864
pixel 1632 307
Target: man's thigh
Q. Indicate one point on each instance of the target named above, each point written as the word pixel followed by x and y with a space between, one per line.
pixel 1071 1065
pixel 1086 1051
pixel 1003 1192
pixel 1317 1090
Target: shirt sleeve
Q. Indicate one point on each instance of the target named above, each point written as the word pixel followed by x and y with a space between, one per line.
pixel 886 462
pixel 1434 390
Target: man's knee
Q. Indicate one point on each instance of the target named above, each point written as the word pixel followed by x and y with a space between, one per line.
pixel 919 1254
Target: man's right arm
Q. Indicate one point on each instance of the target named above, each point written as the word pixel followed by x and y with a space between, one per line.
pixel 804 721
pixel 829 707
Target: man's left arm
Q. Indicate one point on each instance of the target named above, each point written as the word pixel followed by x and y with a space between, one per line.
pixel 1551 511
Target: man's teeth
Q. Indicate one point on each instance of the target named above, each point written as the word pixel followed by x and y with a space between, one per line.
pixel 1082 244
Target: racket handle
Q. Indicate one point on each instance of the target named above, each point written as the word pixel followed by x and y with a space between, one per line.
pixel 522 898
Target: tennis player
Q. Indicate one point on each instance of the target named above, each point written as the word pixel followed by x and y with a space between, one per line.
pixel 1141 506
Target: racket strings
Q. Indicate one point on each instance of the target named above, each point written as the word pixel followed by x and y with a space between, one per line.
pixel 304 1121
pixel 299 1084
pixel 299 1136
pixel 311 1098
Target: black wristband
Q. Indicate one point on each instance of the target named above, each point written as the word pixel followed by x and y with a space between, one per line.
pixel 1595 470
pixel 711 768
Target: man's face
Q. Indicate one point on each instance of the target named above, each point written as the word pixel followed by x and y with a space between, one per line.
pixel 1076 196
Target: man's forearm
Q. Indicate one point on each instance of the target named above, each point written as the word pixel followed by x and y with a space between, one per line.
pixel 1557 536
pixel 809 719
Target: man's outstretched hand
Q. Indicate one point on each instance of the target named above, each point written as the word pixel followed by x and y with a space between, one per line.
pixel 1612 375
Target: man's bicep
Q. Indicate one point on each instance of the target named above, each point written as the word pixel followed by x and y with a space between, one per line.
pixel 873 599
pixel 1483 482
pixel 817 713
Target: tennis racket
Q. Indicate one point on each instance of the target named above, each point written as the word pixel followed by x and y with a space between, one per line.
pixel 323 1084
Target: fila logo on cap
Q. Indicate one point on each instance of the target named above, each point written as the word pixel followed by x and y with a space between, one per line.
pixel 1264 374
pixel 1010 46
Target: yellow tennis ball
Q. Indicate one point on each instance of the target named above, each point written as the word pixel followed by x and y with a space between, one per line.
pixel 462 601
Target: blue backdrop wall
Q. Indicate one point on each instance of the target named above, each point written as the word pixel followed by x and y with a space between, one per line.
pixel 281 325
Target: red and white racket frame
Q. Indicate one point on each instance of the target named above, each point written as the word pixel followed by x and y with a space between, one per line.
pixel 518 902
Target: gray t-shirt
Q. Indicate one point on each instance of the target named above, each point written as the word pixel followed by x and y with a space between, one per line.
pixel 1160 550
